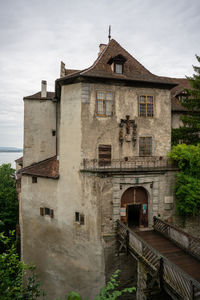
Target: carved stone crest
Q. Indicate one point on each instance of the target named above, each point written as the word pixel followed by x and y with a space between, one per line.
pixel 127 131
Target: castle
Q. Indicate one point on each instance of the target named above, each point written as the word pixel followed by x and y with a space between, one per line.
pixel 95 151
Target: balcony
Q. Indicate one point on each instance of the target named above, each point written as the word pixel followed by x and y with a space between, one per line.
pixel 129 164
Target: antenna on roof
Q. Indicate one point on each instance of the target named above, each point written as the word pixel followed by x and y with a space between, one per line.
pixel 109 33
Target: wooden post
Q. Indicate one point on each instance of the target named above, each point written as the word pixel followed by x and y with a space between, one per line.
pixel 127 241
pixel 161 272
pixel 192 290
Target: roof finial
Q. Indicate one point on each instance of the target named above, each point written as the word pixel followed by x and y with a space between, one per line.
pixel 109 33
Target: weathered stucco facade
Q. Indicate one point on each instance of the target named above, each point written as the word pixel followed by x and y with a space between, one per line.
pixel 68 215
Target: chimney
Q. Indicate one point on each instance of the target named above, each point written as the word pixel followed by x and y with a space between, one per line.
pixel 62 69
pixel 101 48
pixel 44 89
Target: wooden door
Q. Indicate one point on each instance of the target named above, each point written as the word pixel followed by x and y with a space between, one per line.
pixel 132 199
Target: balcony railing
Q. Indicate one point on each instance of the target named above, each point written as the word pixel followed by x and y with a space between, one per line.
pixel 132 163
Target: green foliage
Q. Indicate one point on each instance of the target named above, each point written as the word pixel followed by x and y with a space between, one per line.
pixel 189 132
pixel 8 199
pixel 188 195
pixel 17 280
pixel 187 186
pixel 109 292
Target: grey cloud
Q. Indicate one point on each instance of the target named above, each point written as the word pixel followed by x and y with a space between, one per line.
pixel 36 35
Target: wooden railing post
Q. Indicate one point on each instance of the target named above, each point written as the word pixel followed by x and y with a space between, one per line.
pixel 192 291
pixel 127 241
pixel 161 269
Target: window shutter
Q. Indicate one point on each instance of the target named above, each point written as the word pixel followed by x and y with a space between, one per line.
pixel 104 155
pixel 41 211
pixel 82 219
pixel 51 213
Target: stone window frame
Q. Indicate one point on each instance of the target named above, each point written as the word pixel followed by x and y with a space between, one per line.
pixel 105 100
pixel 146 155
pixel 147 104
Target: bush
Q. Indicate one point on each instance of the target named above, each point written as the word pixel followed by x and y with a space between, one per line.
pixel 109 292
pixel 17 280
pixel 187 187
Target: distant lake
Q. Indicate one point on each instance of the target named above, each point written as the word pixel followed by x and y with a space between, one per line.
pixel 10 157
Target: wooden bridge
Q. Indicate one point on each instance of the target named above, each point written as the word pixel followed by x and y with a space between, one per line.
pixel 171 256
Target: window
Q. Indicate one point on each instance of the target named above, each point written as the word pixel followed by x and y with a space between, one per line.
pixel 34 179
pixel 104 155
pixel 45 211
pixel 145 146
pixel 118 68
pixel 79 218
pixel 104 103
pixel 146 104
pixel 53 132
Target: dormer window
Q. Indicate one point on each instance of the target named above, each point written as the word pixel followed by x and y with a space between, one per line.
pixel 118 68
pixel 117 64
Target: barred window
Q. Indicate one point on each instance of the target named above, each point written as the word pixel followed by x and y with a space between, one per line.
pixel 145 146
pixel 104 103
pixel 146 106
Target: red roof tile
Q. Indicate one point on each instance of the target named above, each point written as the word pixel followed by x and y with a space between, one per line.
pixel 48 168
pixel 19 161
pixel 182 83
pixel 132 69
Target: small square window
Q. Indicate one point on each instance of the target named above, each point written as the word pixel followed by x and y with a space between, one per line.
pixel 79 218
pixel 47 211
pixel 53 132
pixel 34 179
pixel 118 68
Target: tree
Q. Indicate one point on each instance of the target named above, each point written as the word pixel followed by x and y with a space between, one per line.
pixel 187 187
pixel 8 199
pixel 189 133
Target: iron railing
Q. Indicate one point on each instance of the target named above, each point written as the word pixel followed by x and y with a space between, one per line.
pixel 136 162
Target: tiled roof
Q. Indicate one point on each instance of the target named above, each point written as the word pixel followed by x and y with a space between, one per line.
pixel 19 161
pixel 182 84
pixel 132 69
pixel 37 96
pixel 176 105
pixel 48 168
pixel 70 71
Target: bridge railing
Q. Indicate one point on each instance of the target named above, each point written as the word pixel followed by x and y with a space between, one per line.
pixel 182 239
pixel 171 276
pixel 141 249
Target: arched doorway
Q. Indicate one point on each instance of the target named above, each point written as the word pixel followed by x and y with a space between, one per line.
pixel 134 207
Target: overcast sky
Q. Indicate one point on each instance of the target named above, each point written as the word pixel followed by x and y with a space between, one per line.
pixel 35 35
